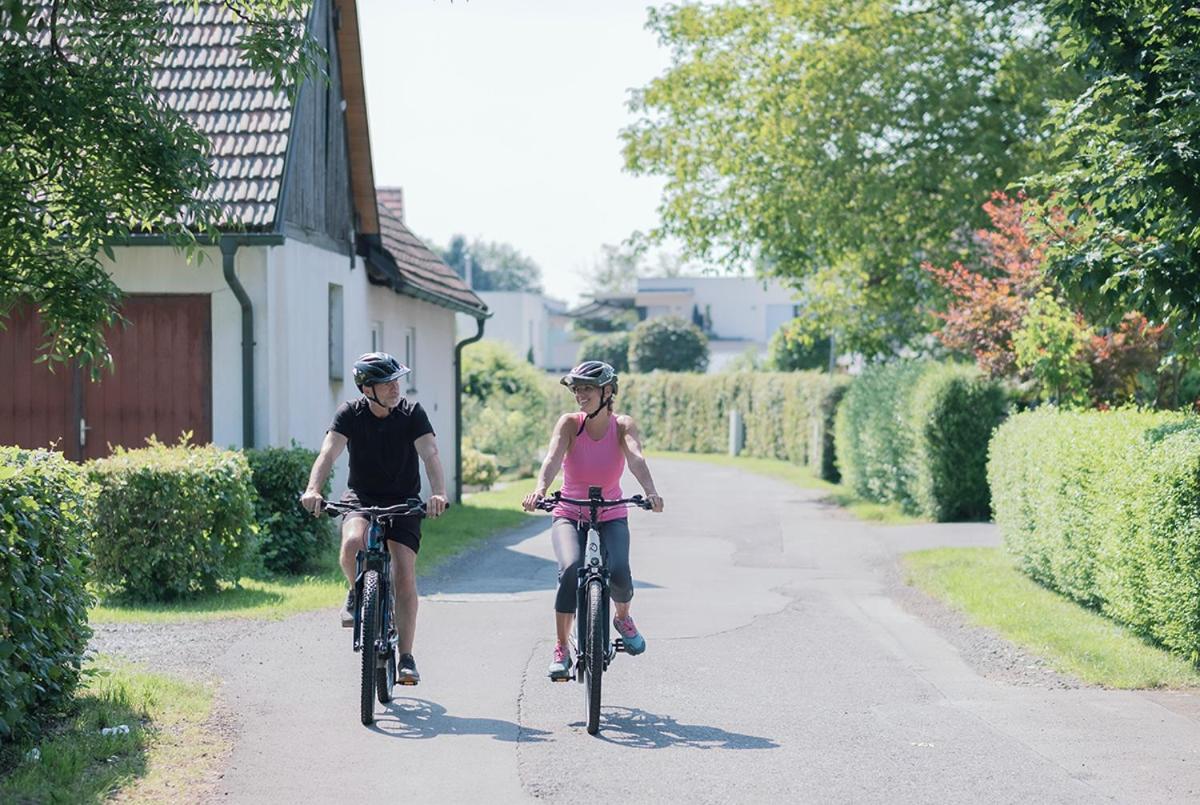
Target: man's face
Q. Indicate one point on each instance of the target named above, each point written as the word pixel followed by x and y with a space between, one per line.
pixel 385 393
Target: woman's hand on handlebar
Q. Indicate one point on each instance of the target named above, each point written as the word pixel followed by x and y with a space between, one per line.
pixel 656 502
pixel 531 501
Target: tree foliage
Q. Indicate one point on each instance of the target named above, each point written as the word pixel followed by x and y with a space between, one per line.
pixel 668 343
pixel 794 349
pixel 92 153
pixel 837 143
pixel 493 266
pixel 1128 166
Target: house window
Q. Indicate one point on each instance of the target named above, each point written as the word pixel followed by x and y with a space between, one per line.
pixel 336 340
pixel 410 356
pixel 377 336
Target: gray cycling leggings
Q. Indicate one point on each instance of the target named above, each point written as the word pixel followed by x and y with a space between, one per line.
pixel 569 539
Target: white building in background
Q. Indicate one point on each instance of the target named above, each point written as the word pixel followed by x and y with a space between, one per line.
pixel 737 313
pixel 534 325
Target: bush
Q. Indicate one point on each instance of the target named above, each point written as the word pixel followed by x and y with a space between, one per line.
pixel 1104 507
pixel 45 518
pixel 171 521
pixel 786 415
pixel 289 538
pixel 916 433
pixel 506 409
pixel 791 351
pixel 479 469
pixel 669 344
pixel 612 348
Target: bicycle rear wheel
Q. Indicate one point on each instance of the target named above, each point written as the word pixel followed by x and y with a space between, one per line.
pixel 595 651
pixel 370 633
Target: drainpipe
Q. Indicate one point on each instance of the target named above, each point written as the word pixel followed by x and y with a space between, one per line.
pixel 229 247
pixel 458 348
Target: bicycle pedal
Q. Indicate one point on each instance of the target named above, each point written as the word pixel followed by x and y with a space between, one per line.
pixel 618 645
pixel 408 683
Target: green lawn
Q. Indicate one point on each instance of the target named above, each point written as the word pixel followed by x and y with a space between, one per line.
pixel 882 513
pixel 167 749
pixel 984 584
pixel 480 516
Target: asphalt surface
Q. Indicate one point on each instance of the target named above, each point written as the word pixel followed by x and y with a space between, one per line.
pixel 781 667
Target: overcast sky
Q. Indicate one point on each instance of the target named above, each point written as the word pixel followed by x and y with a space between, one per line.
pixel 500 120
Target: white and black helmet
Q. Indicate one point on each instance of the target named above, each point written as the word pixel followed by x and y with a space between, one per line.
pixel 592 373
pixel 377 367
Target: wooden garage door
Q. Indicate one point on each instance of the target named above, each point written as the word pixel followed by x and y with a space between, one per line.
pixel 38 407
pixel 161 382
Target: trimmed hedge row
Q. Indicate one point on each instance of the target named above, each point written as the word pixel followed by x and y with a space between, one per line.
pixel 787 415
pixel 1105 508
pixel 172 521
pixel 289 538
pixel 916 433
pixel 45 517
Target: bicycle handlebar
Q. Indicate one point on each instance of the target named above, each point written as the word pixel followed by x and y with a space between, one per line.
pixel 413 507
pixel 550 501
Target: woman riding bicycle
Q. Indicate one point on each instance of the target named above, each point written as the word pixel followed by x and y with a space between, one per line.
pixel 592 447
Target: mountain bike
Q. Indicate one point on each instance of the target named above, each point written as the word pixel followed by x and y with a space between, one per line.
pixel 593 650
pixel 375 636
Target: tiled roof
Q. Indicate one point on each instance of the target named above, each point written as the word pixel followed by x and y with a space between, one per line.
pixel 419 266
pixel 204 76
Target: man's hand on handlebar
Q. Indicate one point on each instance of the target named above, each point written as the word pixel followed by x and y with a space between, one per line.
pixel 312 502
pixel 436 505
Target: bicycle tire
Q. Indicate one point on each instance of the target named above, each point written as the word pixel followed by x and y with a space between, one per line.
pixel 370 631
pixel 594 668
pixel 385 675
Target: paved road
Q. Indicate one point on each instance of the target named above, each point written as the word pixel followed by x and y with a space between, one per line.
pixel 781 667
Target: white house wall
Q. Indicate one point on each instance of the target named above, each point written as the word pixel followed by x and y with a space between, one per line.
pixel 743 308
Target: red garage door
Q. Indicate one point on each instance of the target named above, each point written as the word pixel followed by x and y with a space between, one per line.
pixel 161 384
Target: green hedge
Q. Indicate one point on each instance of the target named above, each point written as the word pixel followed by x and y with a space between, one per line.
pixel 172 521
pixel 612 348
pixel 787 415
pixel 1105 508
pixel 45 517
pixel 916 433
pixel 289 538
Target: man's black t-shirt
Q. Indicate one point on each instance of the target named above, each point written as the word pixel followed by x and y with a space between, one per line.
pixel 383 460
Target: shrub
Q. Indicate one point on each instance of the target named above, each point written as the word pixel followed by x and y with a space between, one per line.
pixel 612 348
pixel 45 518
pixel 916 433
pixel 289 538
pixel 506 411
pixel 786 415
pixel 791 350
pixel 1105 508
pixel 171 521
pixel 1050 346
pixel 479 469
pixel 668 343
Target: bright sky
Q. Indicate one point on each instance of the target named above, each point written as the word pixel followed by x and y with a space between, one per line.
pixel 500 120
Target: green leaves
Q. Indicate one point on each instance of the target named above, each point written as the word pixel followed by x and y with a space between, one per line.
pixel 669 344
pixel 289 538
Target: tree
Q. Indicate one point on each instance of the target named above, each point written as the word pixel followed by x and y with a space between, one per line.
pixel 838 144
pixel 792 349
pixel 668 343
pixel 1129 171
pixel 612 348
pixel 494 266
pixel 91 153
pixel 1050 347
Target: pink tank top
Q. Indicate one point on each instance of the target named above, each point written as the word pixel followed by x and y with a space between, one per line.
pixel 592 462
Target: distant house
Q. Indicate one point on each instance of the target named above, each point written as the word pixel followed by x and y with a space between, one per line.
pixel 253 346
pixel 534 325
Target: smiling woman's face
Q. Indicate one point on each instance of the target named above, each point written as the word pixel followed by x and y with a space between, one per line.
pixel 587 396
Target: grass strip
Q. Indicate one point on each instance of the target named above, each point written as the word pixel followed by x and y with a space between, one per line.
pixel 480 516
pixel 168 749
pixel 984 584
pixel 881 513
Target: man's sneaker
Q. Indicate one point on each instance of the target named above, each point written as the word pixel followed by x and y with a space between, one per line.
pixel 560 666
pixel 407 674
pixel 634 642
pixel 348 610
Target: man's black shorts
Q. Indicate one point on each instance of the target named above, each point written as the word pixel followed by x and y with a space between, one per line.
pixel 405 530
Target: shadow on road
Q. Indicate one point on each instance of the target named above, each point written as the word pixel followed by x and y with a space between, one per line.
pixel 420 719
pixel 638 729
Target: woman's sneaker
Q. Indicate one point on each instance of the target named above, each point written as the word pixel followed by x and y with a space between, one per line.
pixel 634 642
pixel 560 666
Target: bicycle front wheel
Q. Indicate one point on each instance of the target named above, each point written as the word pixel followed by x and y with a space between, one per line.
pixel 370 634
pixel 594 657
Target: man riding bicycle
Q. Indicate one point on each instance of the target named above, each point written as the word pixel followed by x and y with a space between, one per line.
pixel 592 447
pixel 386 435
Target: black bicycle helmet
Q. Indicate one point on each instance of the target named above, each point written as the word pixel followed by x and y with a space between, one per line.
pixel 592 373
pixel 377 367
